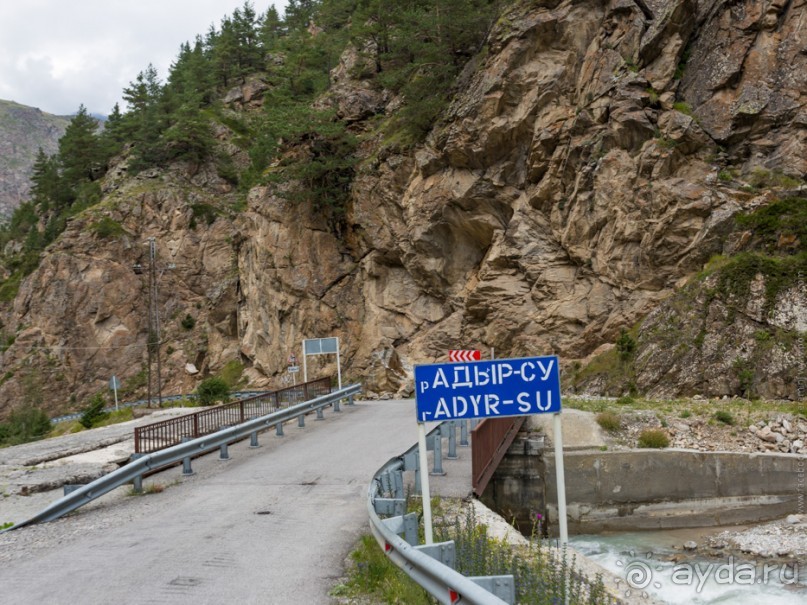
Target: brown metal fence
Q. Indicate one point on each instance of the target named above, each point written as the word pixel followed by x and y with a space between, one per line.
pixel 489 443
pixel 163 434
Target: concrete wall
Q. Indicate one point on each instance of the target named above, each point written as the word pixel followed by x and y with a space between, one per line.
pixel 648 489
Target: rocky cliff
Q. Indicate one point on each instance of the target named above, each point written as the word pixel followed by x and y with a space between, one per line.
pixel 593 160
pixel 23 130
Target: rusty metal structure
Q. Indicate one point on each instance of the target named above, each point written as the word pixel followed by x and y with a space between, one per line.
pixel 490 440
pixel 159 435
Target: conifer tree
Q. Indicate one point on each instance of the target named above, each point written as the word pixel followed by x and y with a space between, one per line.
pixel 80 153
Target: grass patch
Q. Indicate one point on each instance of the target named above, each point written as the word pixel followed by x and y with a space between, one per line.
pixel 725 417
pixel 122 415
pixel 6 525
pixel 107 228
pixel 232 373
pixel 373 574
pixel 609 421
pixel 653 438
pixel 683 108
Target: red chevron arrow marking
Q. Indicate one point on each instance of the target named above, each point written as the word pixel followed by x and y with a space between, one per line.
pixel 464 355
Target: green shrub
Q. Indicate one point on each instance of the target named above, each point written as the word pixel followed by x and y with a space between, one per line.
pixel 211 390
pixel 609 421
pixel 94 413
pixel 188 322
pixel 625 345
pixel 654 438
pixel 686 414
pixel 26 423
pixel 6 525
pixel 107 228
pixel 231 373
pixel 725 417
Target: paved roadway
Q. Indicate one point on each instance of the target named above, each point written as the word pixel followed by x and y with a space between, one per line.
pixel 271 525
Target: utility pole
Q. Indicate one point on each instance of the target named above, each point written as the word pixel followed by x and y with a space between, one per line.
pixel 154 336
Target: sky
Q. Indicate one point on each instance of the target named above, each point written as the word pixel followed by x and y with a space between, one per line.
pixel 59 54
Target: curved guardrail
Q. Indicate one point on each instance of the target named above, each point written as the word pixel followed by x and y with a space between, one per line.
pixel 150 462
pixel 430 565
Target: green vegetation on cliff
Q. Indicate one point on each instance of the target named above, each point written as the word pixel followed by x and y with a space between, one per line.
pixel 412 51
pixel 712 322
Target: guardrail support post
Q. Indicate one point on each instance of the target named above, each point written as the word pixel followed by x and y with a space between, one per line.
pixel 397 483
pixel 301 420
pixel 452 440
pixel 438 455
pixel 464 433
pixel 336 407
pixel 224 453
pixel 411 526
pixel 350 400
pixel 137 482
pixel 320 415
pixel 187 471
pixel 279 429
pixel 253 440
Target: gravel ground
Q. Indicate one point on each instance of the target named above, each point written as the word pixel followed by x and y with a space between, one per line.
pixel 32 475
pixel 782 539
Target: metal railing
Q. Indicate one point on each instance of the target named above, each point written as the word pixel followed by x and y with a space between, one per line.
pixel 489 443
pixel 139 402
pixel 165 433
pixel 430 565
pixel 133 472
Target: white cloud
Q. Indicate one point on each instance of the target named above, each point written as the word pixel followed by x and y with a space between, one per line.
pixel 58 54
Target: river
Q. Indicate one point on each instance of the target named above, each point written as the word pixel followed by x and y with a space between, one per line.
pixel 644 562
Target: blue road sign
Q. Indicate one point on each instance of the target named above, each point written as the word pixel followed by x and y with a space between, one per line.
pixel 487 389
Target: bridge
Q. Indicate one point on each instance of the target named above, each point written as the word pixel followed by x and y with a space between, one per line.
pixel 268 525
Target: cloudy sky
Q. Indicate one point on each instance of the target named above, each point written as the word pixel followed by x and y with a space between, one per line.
pixel 58 54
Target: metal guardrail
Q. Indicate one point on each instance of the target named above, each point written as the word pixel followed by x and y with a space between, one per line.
pixel 165 433
pixel 134 471
pixel 430 565
pixel 134 404
pixel 491 438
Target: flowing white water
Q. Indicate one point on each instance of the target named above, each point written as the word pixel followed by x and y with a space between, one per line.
pixel 642 561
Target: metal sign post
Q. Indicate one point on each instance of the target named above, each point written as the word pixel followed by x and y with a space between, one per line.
pixel 322 346
pixel 114 384
pixel 424 483
pixel 293 368
pixel 494 389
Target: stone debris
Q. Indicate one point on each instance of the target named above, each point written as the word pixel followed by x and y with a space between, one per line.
pixel 784 539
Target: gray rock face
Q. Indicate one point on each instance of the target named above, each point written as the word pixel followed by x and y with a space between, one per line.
pixel 570 188
pixel 23 130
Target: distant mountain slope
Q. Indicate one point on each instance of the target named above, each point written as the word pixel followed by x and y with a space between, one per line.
pixel 23 130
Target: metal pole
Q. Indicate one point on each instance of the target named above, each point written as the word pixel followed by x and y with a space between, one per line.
pixel 305 365
pixel 560 478
pixel 115 390
pixel 338 365
pixel 424 483
pixel 157 329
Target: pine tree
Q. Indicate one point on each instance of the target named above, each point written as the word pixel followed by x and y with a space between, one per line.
pixel 45 181
pixel 145 121
pixel 80 152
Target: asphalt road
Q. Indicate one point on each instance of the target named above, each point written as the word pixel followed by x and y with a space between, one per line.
pixel 271 525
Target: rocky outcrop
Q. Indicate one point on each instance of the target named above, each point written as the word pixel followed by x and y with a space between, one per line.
pixel 575 182
pixel 82 315
pixel 23 130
